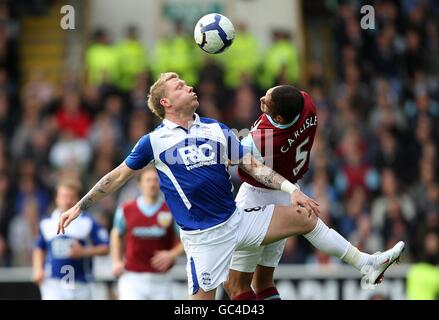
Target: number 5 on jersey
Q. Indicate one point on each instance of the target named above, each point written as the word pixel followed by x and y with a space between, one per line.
pixel 301 156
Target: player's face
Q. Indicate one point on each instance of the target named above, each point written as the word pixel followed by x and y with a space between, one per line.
pixel 149 183
pixel 65 198
pixel 180 96
pixel 267 105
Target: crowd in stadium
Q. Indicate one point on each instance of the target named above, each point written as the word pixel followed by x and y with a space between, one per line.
pixel 373 166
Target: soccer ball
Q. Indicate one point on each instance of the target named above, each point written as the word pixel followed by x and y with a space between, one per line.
pixel 214 33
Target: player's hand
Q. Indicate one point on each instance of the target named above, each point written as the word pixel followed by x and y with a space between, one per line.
pixel 118 268
pixel 38 276
pixel 298 198
pixel 77 251
pixel 67 217
pixel 162 260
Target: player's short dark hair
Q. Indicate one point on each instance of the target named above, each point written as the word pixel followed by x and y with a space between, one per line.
pixel 288 102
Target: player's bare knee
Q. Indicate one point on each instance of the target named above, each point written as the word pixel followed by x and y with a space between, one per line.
pixel 310 223
pixel 303 222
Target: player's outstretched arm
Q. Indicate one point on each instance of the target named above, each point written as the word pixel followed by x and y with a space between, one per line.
pixel 272 179
pixel 108 184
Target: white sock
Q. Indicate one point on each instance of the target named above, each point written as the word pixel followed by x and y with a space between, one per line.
pixel 331 242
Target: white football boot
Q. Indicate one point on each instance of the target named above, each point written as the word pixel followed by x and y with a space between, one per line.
pixel 375 272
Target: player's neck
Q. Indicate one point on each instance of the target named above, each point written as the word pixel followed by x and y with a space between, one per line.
pixel 149 200
pixel 183 120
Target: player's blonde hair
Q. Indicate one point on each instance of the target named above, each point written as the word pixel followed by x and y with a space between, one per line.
pixel 157 92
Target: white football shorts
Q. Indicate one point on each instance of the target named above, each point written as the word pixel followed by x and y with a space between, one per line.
pixel 57 289
pixel 144 286
pixel 268 256
pixel 209 252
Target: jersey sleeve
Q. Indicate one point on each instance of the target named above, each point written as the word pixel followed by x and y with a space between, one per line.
pixel 99 234
pixel 235 150
pixel 250 145
pixel 119 222
pixel 141 154
pixel 41 243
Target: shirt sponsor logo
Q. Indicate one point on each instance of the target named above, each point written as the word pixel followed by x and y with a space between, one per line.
pixel 197 156
pixel 148 232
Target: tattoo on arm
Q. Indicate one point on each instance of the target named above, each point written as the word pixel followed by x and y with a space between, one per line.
pixel 109 183
pixel 261 172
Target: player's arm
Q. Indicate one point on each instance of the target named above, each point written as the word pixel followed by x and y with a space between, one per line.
pixel 116 245
pixel 139 157
pixel 244 155
pixel 163 259
pixel 78 251
pixel 267 176
pixel 108 184
pixel 117 238
pixel 38 258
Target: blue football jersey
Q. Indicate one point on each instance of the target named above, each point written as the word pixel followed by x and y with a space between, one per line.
pixel 58 263
pixel 192 166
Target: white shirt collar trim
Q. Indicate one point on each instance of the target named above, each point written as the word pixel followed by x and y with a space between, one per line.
pixel 172 125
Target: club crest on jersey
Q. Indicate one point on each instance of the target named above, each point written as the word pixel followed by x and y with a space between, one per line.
pixel 164 219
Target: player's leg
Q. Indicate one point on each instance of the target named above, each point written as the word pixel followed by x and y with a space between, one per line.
pixel 294 220
pixel 209 254
pixel 83 291
pixel 263 283
pixel 130 286
pixel 51 290
pixel 238 284
pixel 160 286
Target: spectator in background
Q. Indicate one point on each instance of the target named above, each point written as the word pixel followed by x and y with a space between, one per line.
pixel 7 117
pixel 423 276
pixel 354 170
pixel 23 229
pixel 240 66
pixel 177 52
pixel 29 188
pixel 394 211
pixel 26 127
pixel 137 95
pixel 133 59
pixel 6 214
pixel 38 87
pixel 102 60
pixel 70 151
pixel 281 62
pixel 72 117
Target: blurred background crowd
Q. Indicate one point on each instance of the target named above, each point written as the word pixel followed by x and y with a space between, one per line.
pixel 374 162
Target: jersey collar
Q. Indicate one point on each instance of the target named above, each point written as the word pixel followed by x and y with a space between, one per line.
pixel 172 125
pixel 282 126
